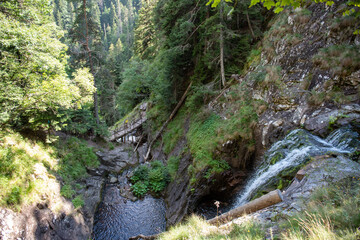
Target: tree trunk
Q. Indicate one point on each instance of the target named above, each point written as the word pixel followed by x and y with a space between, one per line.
pixel 96 107
pixel 249 23
pixel 167 121
pixel 267 200
pixel 222 70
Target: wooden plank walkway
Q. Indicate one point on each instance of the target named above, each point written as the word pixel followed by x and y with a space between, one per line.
pixel 130 125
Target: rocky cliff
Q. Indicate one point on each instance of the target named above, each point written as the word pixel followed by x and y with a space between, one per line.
pixel 305 73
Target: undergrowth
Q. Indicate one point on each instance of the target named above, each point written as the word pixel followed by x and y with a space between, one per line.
pixel 153 178
pixel 333 213
pixel 175 130
pixel 209 131
pixel 29 169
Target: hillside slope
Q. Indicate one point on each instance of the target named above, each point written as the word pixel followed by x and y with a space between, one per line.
pixel 304 73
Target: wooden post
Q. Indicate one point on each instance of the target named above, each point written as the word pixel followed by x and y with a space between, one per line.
pixel 267 200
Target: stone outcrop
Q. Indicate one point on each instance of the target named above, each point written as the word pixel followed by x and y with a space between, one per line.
pixel 304 93
pixel 325 171
pixel 55 217
pixel 297 89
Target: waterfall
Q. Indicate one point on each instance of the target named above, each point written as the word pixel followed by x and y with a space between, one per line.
pixel 293 150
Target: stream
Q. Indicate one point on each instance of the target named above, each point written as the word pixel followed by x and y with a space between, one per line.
pixel 295 149
pixel 118 218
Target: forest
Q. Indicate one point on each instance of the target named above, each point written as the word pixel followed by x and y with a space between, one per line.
pixel 216 85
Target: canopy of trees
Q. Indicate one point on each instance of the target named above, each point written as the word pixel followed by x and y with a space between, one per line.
pixel 34 83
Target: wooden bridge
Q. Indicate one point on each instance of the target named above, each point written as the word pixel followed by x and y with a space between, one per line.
pixel 130 124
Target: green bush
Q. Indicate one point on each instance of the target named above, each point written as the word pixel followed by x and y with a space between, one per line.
pixel 154 178
pixel 141 173
pixel 140 188
pixel 78 201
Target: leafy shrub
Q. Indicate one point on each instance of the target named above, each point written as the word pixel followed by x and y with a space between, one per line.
pixel 140 188
pixel 141 173
pixel 81 121
pixel 78 201
pixel 145 178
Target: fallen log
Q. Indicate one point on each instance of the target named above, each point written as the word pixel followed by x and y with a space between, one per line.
pixel 167 121
pixel 267 200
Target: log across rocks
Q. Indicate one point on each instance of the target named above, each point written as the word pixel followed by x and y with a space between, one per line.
pixel 267 200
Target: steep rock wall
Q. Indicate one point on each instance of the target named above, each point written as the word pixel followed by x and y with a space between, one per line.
pixel 307 75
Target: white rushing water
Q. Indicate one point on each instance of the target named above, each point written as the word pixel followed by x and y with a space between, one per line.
pixel 294 150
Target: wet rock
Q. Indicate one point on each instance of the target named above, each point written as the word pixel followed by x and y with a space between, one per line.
pixel 113 179
pixel 320 173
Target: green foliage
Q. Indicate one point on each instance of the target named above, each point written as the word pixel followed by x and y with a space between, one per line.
pixel 200 96
pixel 75 156
pixel 279 5
pixel 67 191
pixel 174 131
pixel 28 168
pixel 81 122
pixel 154 178
pixel 135 86
pixel 208 131
pixel 14 198
pixel 173 166
pixel 140 188
pixel 34 83
pixel 78 201
pixel 141 173
pixel 215 3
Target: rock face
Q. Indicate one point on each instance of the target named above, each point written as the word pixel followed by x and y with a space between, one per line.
pixel 182 198
pixel 322 172
pixel 55 217
pixel 300 86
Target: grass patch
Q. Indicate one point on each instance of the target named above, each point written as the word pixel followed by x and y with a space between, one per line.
pixel 174 131
pixel 78 201
pixel 208 132
pixel 173 166
pixel 197 228
pixel 333 213
pixel 341 59
pixel 22 171
pixel 28 168
pixel 74 157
